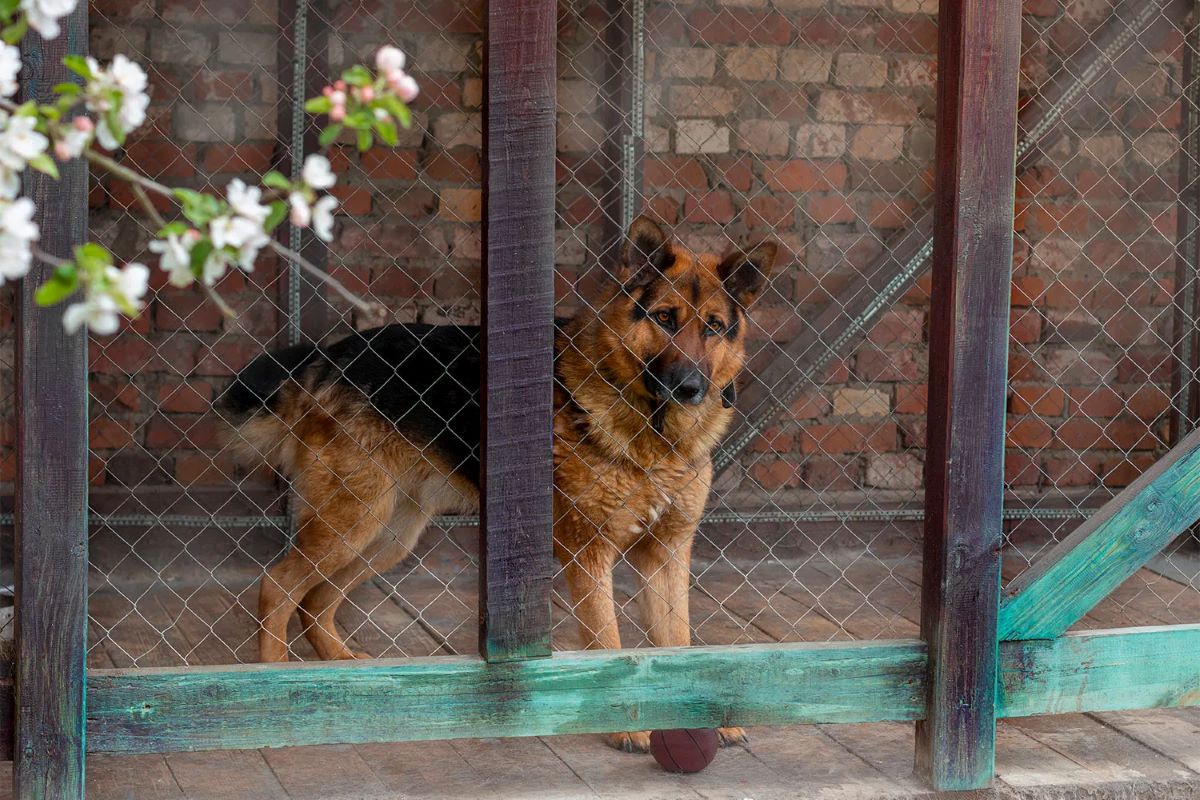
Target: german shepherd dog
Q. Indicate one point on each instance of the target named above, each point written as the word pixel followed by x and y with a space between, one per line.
pixel 379 432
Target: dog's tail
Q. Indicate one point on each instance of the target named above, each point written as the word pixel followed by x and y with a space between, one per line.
pixel 255 404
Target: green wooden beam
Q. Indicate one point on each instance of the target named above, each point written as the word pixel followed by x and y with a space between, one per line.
pixel 201 708
pixel 1115 670
pixel 198 708
pixel 1100 554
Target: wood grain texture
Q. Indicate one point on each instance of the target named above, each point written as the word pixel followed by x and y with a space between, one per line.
pixel 51 543
pixel 163 710
pixel 516 499
pixel 1080 571
pixel 979 50
pixel 1113 670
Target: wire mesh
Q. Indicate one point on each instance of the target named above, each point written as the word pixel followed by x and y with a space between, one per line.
pixel 803 122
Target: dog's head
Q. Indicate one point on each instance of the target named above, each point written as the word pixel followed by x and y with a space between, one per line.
pixel 678 318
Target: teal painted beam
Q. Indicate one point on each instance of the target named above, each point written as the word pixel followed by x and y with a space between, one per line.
pixel 201 708
pixel 1100 554
pixel 1117 670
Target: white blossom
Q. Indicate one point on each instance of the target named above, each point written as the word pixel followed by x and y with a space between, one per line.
pixel 18 232
pixel 10 183
pixel 242 234
pixel 20 142
pixel 43 15
pixel 10 65
pixel 175 259
pixel 389 58
pixel 99 312
pixel 246 201
pixel 317 172
pixel 129 79
pixel 322 217
pixel 72 143
pixel 131 282
pixel 301 214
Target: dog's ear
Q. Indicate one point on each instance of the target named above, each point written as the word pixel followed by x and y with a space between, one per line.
pixel 645 255
pixel 729 395
pixel 744 273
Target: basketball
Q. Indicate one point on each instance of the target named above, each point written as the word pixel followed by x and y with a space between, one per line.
pixel 684 749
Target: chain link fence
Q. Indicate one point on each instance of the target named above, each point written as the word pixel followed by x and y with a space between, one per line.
pixel 806 122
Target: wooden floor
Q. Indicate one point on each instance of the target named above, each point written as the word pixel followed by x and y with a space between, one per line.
pixel 1143 755
pixel 428 607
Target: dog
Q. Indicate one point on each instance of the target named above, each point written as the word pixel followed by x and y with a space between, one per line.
pixel 379 432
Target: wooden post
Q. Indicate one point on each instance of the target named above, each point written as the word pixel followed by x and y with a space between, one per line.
pixel 516 504
pixel 51 501
pixel 979 47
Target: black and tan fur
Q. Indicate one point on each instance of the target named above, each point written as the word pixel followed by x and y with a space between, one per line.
pixel 379 432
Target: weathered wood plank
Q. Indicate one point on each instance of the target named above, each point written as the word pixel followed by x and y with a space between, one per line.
pixel 149 710
pixel 52 438
pixel 979 45
pixel 1126 668
pixel 1127 531
pixel 516 480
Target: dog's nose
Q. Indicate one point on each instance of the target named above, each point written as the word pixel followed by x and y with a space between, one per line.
pixel 688 386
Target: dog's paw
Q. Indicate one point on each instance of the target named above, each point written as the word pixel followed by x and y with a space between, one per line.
pixel 350 655
pixel 732 736
pixel 636 742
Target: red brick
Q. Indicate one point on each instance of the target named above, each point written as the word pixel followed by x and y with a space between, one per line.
pixel 228 158
pixel 849 438
pixel 810 405
pixel 666 172
pixel 831 475
pixel 1115 434
pixel 1025 326
pixel 738 172
pixel 383 163
pixel 775 474
pixel 1126 471
pixel 773 212
pixel 460 165
pixel 1149 402
pixel 189 309
pixel 804 176
pixel 187 431
pixel 1029 432
pixel 106 433
pixel 830 210
pixel 912 399
pixel 192 398
pixel 209 85
pixel 159 158
pixel 774 440
pixel 1027 290
pixel 1046 401
pixel 738 26
pixel 1096 402
pixel 908 35
pixel 352 200
pixel 1021 470
pixel 709 208
pixel 871 365
pixel 1072 471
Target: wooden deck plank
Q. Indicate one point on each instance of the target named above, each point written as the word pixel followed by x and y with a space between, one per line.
pixel 811 764
pixel 138 631
pixel 1023 762
pixel 886 746
pixel 131 778
pixel 613 774
pixel 225 775
pixel 1169 734
pixel 1098 748
pixel 524 767
pixel 326 772
pixel 421 770
pixel 376 624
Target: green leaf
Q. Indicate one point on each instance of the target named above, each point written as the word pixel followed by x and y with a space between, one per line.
pixel 91 257
pixel 200 253
pixel 358 75
pixel 360 120
pixel 394 106
pixel 61 285
pixel 275 180
pixel 67 88
pixel 318 105
pixel 9 7
pixel 78 65
pixel 45 164
pixel 279 210
pixel 112 117
pixel 365 140
pixel 387 132
pixel 329 135
pixel 198 207
pixel 14 33
pixel 176 228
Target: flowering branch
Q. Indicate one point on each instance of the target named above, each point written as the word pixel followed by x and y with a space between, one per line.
pixel 214 233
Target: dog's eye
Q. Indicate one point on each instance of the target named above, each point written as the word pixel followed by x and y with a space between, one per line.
pixel 714 327
pixel 666 318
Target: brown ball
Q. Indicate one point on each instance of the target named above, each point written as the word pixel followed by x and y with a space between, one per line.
pixel 684 749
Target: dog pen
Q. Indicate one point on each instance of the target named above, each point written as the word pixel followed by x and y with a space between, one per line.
pixel 931 404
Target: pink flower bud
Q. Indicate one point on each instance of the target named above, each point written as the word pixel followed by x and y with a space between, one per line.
pixel 337 113
pixel 367 94
pixel 328 90
pixel 406 88
pixel 84 124
pixel 193 235
pixel 61 151
pixel 338 98
pixel 340 85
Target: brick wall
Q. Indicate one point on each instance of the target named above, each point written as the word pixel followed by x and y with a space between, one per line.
pixel 807 120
